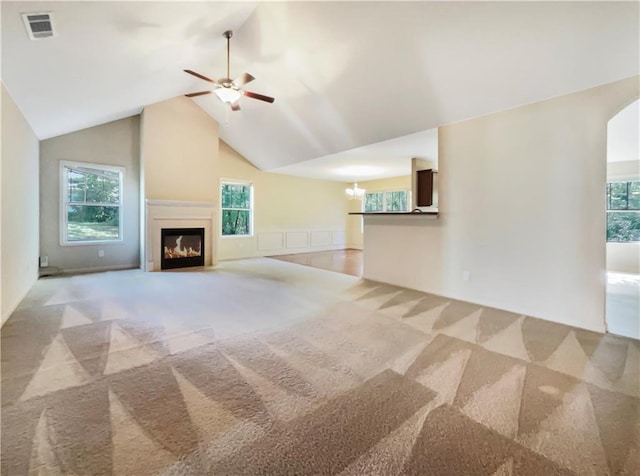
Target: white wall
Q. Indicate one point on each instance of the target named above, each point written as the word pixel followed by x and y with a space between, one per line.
pixel 19 244
pixel 623 135
pixel 521 208
pixel 623 257
pixel 113 143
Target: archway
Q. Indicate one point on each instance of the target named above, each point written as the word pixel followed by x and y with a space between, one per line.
pixel 623 223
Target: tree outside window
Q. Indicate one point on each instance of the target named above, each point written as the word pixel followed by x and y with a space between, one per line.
pixel 91 203
pixel 236 207
pixel 391 201
pixel 374 202
pixel 396 201
pixel 623 211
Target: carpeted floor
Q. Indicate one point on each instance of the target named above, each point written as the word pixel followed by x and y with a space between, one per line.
pixel 267 367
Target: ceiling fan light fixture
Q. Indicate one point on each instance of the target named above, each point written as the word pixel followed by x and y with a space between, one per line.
pixel 355 193
pixel 228 95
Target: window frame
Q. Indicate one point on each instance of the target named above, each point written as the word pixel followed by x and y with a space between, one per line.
pixel 249 183
pixel 64 202
pixel 384 200
pixel 627 209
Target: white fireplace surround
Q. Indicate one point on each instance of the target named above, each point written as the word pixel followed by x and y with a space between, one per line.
pixel 161 214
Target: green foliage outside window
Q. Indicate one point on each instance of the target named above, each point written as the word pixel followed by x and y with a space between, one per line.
pixel 623 211
pixel 386 201
pixel 236 209
pixel 397 201
pixel 374 202
pixel 92 203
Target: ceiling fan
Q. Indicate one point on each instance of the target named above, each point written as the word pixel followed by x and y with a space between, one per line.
pixel 228 91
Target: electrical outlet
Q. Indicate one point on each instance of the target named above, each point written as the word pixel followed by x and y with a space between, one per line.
pixel 44 261
pixel 100 253
pixel 466 275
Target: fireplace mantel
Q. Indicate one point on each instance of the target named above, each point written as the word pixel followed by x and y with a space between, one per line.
pixel 161 214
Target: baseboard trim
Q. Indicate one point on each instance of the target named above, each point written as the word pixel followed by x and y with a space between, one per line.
pixel 98 269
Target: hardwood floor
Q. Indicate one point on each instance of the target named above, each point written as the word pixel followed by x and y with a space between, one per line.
pixel 347 261
pixel 623 304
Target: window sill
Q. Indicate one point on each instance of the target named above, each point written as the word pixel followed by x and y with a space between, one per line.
pixel 94 242
pixel 235 236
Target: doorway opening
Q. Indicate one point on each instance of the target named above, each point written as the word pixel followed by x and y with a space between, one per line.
pixel 622 313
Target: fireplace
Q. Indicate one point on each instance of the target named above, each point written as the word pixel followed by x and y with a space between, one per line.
pixel 182 247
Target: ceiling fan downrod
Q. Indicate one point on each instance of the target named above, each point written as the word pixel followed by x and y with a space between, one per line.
pixel 228 35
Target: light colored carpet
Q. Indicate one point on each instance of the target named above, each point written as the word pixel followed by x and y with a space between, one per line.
pixel 267 367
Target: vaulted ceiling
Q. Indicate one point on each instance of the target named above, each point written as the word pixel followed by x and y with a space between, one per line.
pixel 345 75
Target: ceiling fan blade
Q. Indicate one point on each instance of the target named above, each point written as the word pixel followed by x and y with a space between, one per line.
pixel 201 93
pixel 235 106
pixel 198 75
pixel 244 79
pixel 249 94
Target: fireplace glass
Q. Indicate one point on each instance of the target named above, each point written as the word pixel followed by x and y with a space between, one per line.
pixel 182 247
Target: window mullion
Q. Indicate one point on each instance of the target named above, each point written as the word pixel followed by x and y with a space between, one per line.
pixel 626 195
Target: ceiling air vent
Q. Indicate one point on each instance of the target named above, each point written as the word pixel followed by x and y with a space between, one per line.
pixel 39 25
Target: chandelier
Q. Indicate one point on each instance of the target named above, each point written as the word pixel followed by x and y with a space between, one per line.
pixel 355 193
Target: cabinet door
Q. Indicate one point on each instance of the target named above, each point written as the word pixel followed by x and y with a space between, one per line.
pixel 425 188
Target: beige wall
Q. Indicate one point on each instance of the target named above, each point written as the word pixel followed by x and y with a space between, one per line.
pixel 393 183
pixel 179 163
pixel 291 214
pixel 354 223
pixel 623 257
pixel 19 191
pixel 179 152
pixel 521 208
pixel 114 143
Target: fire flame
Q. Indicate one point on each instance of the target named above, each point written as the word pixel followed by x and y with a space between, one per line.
pixel 179 252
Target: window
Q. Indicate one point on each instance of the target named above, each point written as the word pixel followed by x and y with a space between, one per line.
pixel 91 203
pixel 623 211
pixel 396 201
pixel 392 201
pixel 237 204
pixel 374 202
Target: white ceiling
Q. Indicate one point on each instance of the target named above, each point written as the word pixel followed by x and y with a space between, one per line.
pixel 345 75
pixel 390 158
